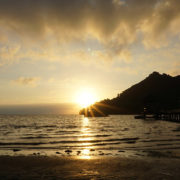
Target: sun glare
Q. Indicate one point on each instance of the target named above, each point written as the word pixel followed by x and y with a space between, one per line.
pixel 86 98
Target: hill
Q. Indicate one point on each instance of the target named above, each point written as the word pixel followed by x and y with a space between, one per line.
pixel 157 92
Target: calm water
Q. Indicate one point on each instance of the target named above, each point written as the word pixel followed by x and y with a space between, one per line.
pixel 86 137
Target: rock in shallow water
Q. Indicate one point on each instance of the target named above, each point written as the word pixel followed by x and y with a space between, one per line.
pixel 78 152
pixel 15 150
pixel 68 151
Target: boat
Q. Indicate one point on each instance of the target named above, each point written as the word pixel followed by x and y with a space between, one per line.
pixel 139 117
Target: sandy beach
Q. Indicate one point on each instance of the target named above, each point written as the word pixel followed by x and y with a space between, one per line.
pixel 34 167
pixel 116 147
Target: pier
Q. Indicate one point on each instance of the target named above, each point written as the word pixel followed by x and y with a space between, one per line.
pixel 166 116
pixel 174 116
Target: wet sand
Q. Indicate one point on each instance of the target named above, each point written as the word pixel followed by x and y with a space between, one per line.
pixel 52 168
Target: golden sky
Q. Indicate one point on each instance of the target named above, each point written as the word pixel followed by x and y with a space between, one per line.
pixel 52 49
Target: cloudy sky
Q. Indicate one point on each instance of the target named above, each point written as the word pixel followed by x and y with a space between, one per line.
pixel 52 49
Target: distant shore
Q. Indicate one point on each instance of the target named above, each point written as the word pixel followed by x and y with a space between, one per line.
pixel 43 167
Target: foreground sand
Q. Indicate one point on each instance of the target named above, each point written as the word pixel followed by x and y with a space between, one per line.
pixel 31 167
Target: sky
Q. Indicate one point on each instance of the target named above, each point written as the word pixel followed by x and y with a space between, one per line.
pixel 52 50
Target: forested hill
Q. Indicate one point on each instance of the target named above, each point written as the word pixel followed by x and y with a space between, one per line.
pixel 157 92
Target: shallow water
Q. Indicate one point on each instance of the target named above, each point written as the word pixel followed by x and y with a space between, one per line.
pixel 86 137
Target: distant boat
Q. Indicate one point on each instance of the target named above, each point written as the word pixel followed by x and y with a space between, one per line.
pixel 145 117
pixel 139 117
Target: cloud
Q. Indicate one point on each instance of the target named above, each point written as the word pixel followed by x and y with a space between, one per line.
pixel 163 23
pixel 8 54
pixel 115 24
pixel 30 81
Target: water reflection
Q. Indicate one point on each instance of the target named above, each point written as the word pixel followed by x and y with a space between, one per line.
pixel 86 136
pixel 85 121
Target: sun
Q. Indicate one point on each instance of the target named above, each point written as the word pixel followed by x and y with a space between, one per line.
pixel 85 98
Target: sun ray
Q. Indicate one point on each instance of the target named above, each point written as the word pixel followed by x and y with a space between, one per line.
pixel 99 111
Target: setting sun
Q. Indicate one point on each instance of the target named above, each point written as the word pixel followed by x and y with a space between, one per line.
pixel 86 98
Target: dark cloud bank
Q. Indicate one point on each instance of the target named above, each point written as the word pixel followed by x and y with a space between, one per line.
pixel 111 21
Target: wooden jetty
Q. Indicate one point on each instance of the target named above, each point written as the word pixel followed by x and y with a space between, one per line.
pixel 173 116
pixel 166 116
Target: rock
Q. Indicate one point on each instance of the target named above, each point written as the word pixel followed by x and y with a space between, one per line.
pixel 78 152
pixel 121 151
pixel 68 151
pixel 92 149
pixel 15 150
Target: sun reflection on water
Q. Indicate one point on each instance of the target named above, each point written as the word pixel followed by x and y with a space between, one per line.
pixel 85 154
pixel 85 121
pixel 85 136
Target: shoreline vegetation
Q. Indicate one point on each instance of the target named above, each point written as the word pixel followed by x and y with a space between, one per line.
pixel 30 167
pixel 158 93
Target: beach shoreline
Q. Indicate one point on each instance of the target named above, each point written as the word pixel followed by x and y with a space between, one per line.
pixel 54 167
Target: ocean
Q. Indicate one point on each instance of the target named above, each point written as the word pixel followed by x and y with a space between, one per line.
pixel 76 135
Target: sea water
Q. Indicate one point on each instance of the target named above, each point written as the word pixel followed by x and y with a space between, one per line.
pixel 76 135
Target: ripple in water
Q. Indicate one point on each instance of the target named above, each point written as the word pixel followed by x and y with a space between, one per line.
pixel 85 137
